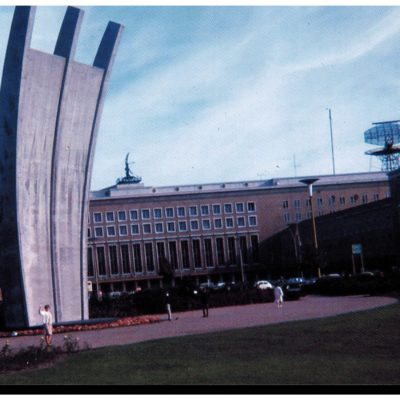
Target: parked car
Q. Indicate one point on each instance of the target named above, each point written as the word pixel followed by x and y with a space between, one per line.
pixel 292 290
pixel 208 285
pixel 234 286
pixel 114 295
pixel 263 285
pixel 220 286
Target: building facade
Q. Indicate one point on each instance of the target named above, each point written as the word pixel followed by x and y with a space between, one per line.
pixel 205 232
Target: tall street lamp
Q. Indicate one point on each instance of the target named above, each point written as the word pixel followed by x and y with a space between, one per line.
pixel 309 182
pixel 294 232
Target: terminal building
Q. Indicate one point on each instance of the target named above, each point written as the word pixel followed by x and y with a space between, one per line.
pixel 139 234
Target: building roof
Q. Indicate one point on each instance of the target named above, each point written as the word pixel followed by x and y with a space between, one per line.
pixel 139 190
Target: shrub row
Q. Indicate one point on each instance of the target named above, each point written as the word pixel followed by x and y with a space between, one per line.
pixel 152 301
pixel 354 286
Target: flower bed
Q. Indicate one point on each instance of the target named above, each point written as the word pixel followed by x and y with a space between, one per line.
pixel 127 321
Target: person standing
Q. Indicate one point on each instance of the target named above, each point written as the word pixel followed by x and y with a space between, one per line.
pixel 278 295
pixel 47 323
pixel 204 301
pixel 168 306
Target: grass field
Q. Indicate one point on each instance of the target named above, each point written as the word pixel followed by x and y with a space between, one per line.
pixel 357 348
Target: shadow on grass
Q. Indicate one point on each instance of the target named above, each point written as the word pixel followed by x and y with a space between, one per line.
pixel 357 348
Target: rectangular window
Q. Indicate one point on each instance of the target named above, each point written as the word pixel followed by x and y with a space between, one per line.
pixel 121 216
pixel 365 198
pixel 216 209
pixel 332 200
pixel 206 224
pixel 241 222
pixel 135 229
pixel 239 207
pixel 285 204
pixel 112 251
pixel 376 196
pixel 169 212
pixel 298 217
pixel 134 215
pixel 220 251
pixel 217 223
pixel 101 260
pixel 252 220
pixel 185 254
pixel 173 255
pixel 255 248
pixel 232 250
pixel 229 222
pixel 110 231
pixel 208 252
pixel 243 249
pixel 228 208
pixel 157 213
pixel 137 257
pixel 204 210
pixel 194 225
pixel 146 228
pixel 196 253
pixel 110 216
pixel 162 260
pixel 353 199
pixel 182 226
pixel 148 247
pixel 193 211
pixel 90 262
pixel 309 214
pixel 251 206
pixel 146 214
pixel 286 217
pixel 159 227
pixel 307 202
pixel 126 267
pixel 320 202
pixel 297 203
pixel 123 230
pixel 97 217
pixel 181 211
pixel 98 231
pixel 88 233
pixel 171 226
pixel 342 200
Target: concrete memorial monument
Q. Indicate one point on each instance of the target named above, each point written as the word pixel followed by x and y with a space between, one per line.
pixel 50 107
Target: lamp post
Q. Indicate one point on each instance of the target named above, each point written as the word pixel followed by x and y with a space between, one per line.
pixel 309 182
pixel 293 229
pixel 241 260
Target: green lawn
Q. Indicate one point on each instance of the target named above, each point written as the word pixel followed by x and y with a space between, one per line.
pixel 357 348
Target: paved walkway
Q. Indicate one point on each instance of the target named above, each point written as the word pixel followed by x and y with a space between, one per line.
pixel 224 318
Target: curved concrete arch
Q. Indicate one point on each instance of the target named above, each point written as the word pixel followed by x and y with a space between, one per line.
pixel 50 113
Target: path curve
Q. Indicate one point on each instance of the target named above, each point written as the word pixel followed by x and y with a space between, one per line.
pixel 224 318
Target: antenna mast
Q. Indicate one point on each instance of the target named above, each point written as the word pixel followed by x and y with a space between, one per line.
pixel 333 154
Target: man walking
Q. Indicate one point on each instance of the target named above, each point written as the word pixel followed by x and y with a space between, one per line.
pixel 47 324
pixel 168 306
pixel 204 301
pixel 278 294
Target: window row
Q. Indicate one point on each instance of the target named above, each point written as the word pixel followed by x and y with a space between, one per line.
pixel 172 226
pixel 160 257
pixel 332 200
pixel 169 212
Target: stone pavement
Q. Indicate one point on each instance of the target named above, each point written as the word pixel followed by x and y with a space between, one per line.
pixel 224 318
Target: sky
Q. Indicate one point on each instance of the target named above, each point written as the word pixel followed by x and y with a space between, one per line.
pixel 220 94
